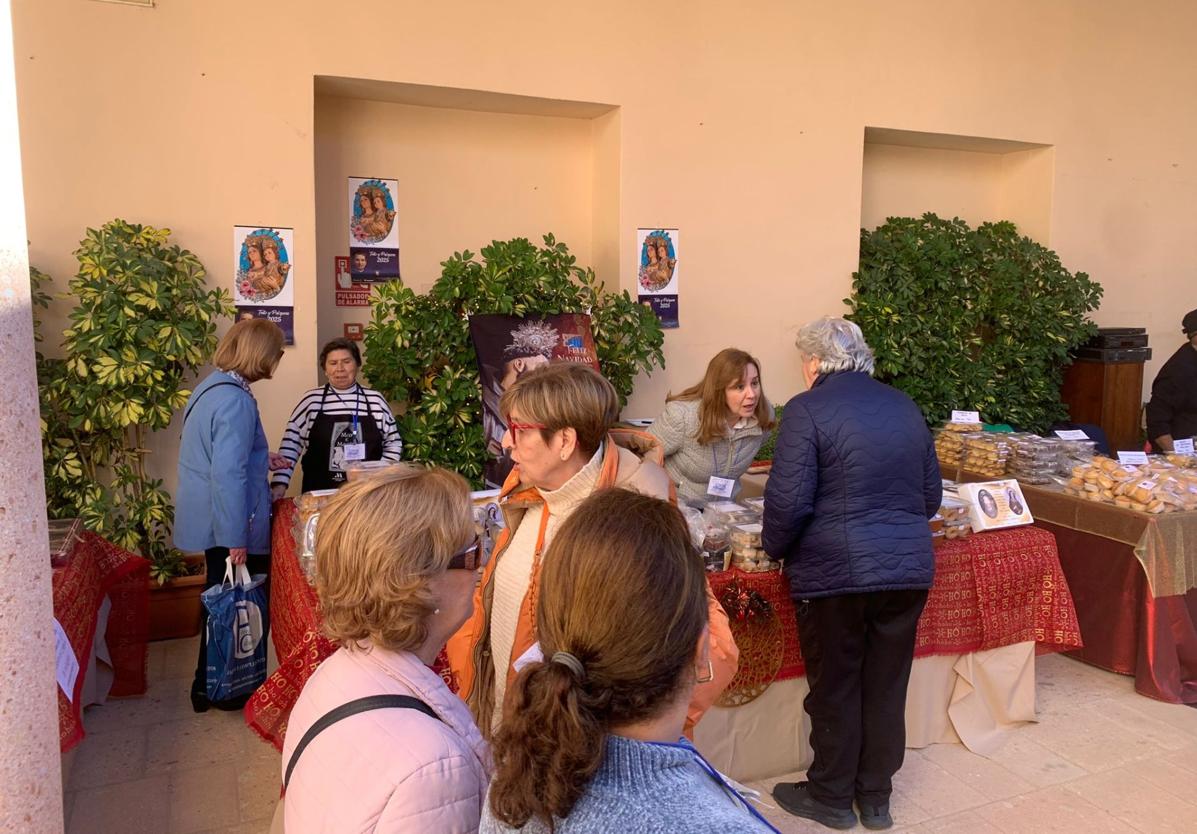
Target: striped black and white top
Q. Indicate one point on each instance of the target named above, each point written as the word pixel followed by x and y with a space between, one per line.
pixel 295 438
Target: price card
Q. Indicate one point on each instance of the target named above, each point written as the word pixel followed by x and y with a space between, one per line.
pixel 1132 458
pixel 1072 434
pixel 1147 484
pixel 966 416
pixel 1183 447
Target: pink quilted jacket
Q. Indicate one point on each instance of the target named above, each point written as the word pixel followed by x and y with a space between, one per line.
pixel 387 770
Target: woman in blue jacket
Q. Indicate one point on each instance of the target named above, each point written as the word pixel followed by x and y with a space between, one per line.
pixel 223 500
pixel 854 480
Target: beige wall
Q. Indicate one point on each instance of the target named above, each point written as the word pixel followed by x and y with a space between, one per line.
pixel 743 126
pixel 978 187
pixel 465 179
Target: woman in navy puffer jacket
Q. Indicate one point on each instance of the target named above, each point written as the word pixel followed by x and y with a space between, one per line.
pixel 854 480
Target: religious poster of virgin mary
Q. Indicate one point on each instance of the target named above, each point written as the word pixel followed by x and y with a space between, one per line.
pixel 508 347
pixel 373 229
pixel 657 272
pixel 263 279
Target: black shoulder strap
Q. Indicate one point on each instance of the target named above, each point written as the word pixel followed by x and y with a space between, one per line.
pixel 200 396
pixel 371 702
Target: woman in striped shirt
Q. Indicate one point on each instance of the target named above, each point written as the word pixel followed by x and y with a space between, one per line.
pixel 336 424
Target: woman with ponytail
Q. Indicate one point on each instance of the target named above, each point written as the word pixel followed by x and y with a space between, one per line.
pixel 591 736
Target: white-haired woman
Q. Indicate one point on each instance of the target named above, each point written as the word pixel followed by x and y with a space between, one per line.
pixel 854 480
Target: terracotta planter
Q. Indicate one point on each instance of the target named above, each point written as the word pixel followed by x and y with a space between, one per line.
pixel 175 606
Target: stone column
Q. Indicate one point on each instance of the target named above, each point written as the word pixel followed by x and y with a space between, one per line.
pixel 30 776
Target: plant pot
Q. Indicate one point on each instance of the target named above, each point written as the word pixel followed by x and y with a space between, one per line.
pixel 175 605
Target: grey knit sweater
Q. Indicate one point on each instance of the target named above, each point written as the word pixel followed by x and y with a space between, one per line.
pixel 646 788
pixel 690 465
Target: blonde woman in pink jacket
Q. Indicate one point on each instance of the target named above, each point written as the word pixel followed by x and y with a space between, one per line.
pixel 397 560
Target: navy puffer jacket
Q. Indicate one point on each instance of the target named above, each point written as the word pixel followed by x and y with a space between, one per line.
pixel 854 480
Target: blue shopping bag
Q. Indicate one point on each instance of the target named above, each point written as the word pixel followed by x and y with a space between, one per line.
pixel 238 623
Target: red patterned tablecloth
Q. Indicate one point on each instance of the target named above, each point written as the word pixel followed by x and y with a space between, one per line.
pixel 96 569
pixel 295 627
pixel 991 589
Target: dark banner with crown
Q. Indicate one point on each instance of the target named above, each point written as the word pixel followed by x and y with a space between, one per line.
pixel 508 347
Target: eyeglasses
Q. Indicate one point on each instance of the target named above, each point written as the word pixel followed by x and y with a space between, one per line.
pixel 471 557
pixel 514 426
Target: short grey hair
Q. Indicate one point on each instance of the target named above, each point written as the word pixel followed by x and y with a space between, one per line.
pixel 838 343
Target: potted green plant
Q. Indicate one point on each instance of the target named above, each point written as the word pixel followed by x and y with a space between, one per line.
pixel 143 321
pixel 419 345
pixel 977 319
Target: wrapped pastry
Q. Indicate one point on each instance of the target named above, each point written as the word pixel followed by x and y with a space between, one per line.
pixel 746 535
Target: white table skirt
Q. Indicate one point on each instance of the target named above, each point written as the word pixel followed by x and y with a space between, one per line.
pixel 972 698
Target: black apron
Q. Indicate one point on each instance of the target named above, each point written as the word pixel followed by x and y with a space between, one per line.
pixel 324 460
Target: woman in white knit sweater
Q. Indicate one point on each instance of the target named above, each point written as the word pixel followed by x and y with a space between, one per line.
pixel 712 431
pixel 560 428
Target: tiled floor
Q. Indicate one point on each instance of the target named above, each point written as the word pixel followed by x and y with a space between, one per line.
pixel 152 765
pixel 1101 759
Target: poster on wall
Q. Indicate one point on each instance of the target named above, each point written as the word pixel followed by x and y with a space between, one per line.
pixel 264 282
pixel 508 347
pixel 284 317
pixel 373 229
pixel 349 293
pixel 657 272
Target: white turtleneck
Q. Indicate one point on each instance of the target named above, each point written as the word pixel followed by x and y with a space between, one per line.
pixel 513 572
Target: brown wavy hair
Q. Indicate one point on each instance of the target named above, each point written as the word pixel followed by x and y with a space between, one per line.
pixel 726 367
pixel 624 591
pixel 378 542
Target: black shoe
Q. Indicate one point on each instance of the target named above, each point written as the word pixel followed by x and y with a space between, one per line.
pixel 875 817
pixel 199 699
pixel 795 798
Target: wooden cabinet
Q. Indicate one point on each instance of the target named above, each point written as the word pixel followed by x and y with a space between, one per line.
pixel 1107 394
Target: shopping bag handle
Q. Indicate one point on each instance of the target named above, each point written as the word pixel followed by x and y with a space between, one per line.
pixel 235 574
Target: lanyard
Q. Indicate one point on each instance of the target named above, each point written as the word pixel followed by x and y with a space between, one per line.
pixel 357 394
pixel 717 777
pixel 715 458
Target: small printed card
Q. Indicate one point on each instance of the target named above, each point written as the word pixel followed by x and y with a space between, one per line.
pixel 996 505
pixel 1132 458
pixel 966 416
pixel 1072 434
pixel 1183 447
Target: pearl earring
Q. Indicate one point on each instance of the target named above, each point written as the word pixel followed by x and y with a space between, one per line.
pixel 436 611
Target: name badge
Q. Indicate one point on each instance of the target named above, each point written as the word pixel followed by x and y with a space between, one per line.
pixel 722 487
pixel 354 451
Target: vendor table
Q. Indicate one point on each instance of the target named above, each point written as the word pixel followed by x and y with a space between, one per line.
pixel 998 599
pixel 1134 579
pixel 295 627
pixel 99 571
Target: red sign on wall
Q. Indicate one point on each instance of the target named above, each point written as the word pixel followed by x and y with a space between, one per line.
pixel 349 292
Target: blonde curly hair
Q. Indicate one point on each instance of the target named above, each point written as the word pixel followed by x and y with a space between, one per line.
pixel 378 543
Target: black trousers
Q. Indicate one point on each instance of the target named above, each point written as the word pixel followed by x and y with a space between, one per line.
pixel 215 558
pixel 858 650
